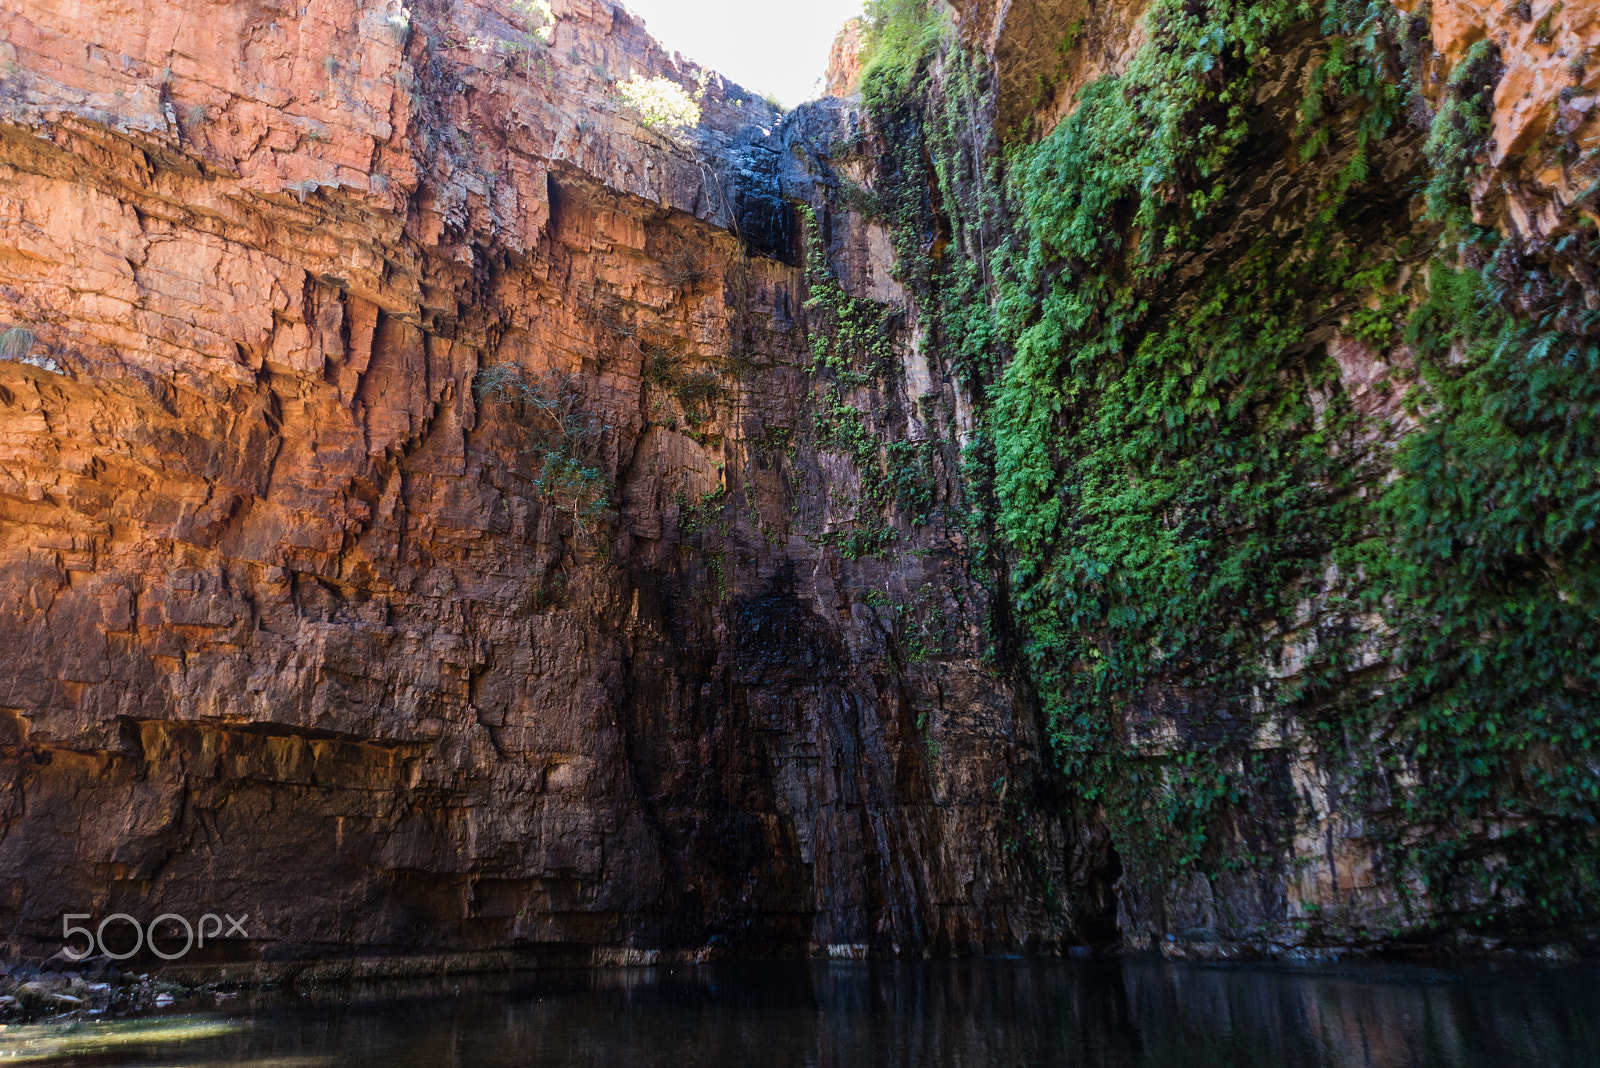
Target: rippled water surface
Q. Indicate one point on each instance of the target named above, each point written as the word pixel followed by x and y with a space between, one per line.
pixel 978 1014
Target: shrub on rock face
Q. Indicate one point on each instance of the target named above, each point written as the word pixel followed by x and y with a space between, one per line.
pixel 16 343
pixel 659 102
pixel 565 440
pixel 536 18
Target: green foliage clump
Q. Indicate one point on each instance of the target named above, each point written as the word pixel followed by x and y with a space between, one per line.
pixel 1485 565
pixel 939 190
pixel 1177 484
pixel 534 17
pixel 565 440
pixel 696 390
pixel 398 23
pixel 897 34
pixel 1459 130
pixel 852 340
pixel 659 102
pixel 532 25
pixel 16 343
pixel 1162 479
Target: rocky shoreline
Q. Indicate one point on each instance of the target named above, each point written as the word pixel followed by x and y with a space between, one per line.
pixel 63 990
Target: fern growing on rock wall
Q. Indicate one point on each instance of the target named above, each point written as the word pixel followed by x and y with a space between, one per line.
pixel 1482 559
pixel 1204 542
pixel 565 440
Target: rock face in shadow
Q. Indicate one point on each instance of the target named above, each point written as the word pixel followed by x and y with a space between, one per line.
pixel 1311 848
pixel 298 622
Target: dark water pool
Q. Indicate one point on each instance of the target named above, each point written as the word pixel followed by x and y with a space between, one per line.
pixel 977 1014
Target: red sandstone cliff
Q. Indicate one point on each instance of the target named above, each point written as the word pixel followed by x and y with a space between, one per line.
pixel 844 61
pixel 294 623
pixel 291 630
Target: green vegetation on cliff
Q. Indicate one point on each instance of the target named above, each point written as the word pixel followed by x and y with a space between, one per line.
pixel 1205 541
pixel 1483 562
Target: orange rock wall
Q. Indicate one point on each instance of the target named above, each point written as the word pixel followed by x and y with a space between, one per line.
pixel 289 627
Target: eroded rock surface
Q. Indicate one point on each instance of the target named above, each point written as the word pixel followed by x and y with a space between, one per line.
pixel 442 516
pixel 291 630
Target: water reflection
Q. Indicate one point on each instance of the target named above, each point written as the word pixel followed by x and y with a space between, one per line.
pixel 979 1014
pixel 97 1040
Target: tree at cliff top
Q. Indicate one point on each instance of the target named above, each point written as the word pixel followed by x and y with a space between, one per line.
pixel 659 102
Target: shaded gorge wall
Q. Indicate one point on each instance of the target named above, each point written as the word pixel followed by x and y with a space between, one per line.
pixel 1281 443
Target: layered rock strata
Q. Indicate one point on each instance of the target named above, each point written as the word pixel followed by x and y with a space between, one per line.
pixel 449 516
pixel 297 623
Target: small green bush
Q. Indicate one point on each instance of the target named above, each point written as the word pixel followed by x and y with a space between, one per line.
pixel 399 27
pixel 535 17
pixel 897 34
pixel 659 102
pixel 567 440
